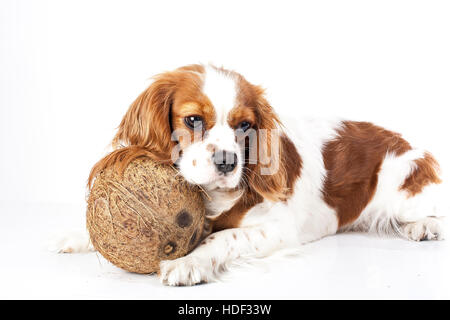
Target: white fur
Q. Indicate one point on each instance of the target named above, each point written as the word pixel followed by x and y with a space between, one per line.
pixel 219 200
pixel 73 241
pixel 221 90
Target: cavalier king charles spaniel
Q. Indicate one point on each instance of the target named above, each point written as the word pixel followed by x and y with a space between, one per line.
pixel 271 184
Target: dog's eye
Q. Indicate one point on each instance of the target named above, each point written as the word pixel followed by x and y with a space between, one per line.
pixel 193 122
pixel 244 126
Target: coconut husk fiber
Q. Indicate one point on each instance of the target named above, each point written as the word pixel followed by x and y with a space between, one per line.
pixel 146 215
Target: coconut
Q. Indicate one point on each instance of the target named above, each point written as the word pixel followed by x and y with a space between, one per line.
pixel 144 215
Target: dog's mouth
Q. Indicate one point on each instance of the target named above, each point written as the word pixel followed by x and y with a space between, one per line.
pixel 222 182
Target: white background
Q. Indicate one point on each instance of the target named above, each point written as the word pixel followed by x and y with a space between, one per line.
pixel 70 69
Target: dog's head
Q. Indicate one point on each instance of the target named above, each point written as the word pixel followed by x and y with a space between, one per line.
pixel 208 121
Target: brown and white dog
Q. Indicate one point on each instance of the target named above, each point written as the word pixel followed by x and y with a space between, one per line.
pixel 318 177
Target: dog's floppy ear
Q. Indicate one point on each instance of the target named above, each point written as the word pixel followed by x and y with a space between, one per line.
pixel 145 129
pixel 147 122
pixel 279 163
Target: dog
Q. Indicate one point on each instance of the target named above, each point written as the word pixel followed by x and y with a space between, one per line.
pixel 271 185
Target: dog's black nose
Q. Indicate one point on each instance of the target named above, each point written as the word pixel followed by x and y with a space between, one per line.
pixel 225 161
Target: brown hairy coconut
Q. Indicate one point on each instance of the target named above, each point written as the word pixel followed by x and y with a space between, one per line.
pixel 144 215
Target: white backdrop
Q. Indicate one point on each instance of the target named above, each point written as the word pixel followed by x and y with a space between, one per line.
pixel 69 70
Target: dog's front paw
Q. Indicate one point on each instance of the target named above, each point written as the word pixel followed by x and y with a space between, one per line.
pixel 430 228
pixel 185 271
pixel 70 242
